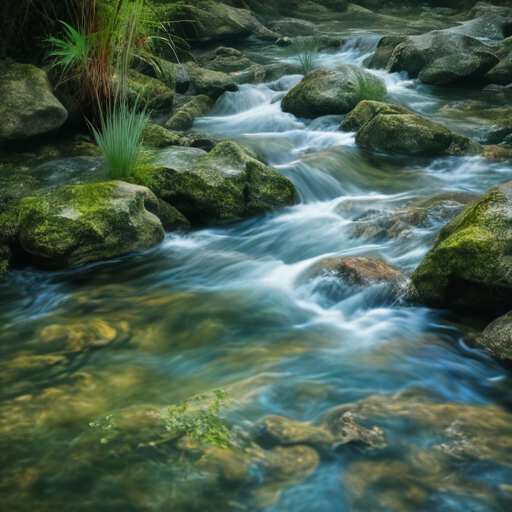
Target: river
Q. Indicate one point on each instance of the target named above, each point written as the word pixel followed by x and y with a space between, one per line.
pixel 229 307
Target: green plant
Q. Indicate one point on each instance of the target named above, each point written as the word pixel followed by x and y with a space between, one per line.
pixel 119 137
pixel 200 418
pixel 307 50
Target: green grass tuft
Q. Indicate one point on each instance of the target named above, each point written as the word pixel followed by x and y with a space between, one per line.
pixel 307 50
pixel 120 137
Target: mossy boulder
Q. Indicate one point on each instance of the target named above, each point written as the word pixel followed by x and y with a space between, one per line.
pixel 470 264
pixel 333 92
pixel 184 117
pixel 443 57
pixel 497 337
pixel 224 184
pixel 75 224
pixel 5 254
pixel 207 20
pixel 398 129
pixel 149 92
pixel 156 136
pixel 210 83
pixel 28 106
pixel 268 73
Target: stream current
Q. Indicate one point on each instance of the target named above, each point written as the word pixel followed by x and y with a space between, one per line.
pixel 228 307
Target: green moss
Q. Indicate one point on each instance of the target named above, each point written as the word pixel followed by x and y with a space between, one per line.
pixel 156 136
pixel 471 260
pixel 184 118
pixel 149 92
pixel 73 224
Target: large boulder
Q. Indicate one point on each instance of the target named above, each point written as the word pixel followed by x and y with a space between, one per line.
pixel 470 263
pixel 75 224
pixel 443 57
pixel 207 20
pixel 226 183
pixel 27 106
pixel 398 129
pixel 383 52
pixel 490 25
pixel 333 92
pixel 497 337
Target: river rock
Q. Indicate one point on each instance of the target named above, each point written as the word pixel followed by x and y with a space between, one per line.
pixel 469 264
pixel 210 83
pixel 156 136
pixel 5 254
pixel 149 92
pixel 333 91
pixel 398 129
pixel 497 337
pixel 443 57
pixel 28 106
pixel 206 20
pixel 383 52
pixel 76 224
pixel 184 117
pixel 267 73
pixel 224 184
pixel 225 60
pixel 489 25
pixel 362 272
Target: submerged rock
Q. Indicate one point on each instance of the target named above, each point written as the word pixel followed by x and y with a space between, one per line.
pixel 76 224
pixel 346 275
pixel 497 337
pixel 184 117
pixel 398 129
pixel 469 264
pixel 28 106
pixel 333 92
pixel 224 184
pixel 443 57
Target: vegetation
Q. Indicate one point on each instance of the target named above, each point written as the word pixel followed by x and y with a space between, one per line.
pixel 307 50
pixel 120 137
pixel 200 418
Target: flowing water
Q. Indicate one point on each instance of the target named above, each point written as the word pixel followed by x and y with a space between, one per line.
pixel 229 307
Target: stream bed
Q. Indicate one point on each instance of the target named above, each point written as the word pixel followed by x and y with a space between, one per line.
pixel 228 307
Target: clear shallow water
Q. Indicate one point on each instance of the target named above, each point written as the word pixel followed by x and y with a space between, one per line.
pixel 229 307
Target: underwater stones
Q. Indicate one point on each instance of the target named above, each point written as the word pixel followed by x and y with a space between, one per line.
pixel 210 83
pixel 149 92
pixel 75 224
pixel 224 184
pixel 470 262
pixel 497 337
pixel 184 117
pixel 395 128
pixel 443 57
pixel 278 430
pixel 361 272
pixel 28 106
pixel 333 92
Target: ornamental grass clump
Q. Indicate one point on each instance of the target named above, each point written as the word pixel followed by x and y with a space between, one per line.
pixel 307 51
pixel 119 137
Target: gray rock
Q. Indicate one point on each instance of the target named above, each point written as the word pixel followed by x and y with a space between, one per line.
pixel 28 106
pixel 333 91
